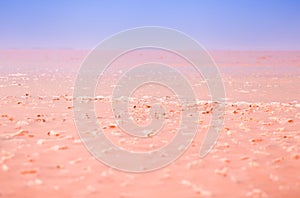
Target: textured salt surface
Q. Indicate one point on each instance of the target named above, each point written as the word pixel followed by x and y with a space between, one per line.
pixel 257 154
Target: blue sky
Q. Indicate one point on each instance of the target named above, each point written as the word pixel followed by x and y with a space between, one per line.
pixel 217 24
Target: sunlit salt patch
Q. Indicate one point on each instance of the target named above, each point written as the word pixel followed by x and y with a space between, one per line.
pixel 40 142
pixel 77 141
pixel 147 97
pixel 275 103
pixel 186 182
pixel 108 172
pixel 91 188
pixel 75 161
pixel 35 182
pixel 281 129
pixel 243 91
pixel 201 191
pixel 99 98
pixel 21 124
pixel 20 133
pixel 17 75
pixel 55 97
pixel 225 160
pixel 69 98
pixel 284 187
pixel 253 163
pixel 274 178
pixel 181 148
pixel 116 133
pixel 5 167
pixel 222 172
pixel 193 164
pixel 261 153
pixel 58 147
pixel 6 155
pixel 290 148
pixel 256 193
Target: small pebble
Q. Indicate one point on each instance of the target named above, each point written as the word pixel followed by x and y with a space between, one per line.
pixel 255 140
pixel 27 172
pixel 53 133
pixel 296 156
pixel 112 126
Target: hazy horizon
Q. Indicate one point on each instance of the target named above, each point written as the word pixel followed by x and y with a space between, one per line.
pixel 218 25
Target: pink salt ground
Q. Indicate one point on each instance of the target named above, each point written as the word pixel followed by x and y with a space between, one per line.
pixel 257 154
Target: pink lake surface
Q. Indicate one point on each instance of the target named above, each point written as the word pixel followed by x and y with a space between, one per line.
pixel 257 153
